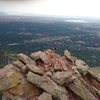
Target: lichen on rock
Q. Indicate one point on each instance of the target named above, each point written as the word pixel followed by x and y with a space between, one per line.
pixel 48 76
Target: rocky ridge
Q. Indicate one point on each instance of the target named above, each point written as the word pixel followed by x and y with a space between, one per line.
pixel 49 76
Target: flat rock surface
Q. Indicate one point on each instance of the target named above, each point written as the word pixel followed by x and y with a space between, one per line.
pixel 95 70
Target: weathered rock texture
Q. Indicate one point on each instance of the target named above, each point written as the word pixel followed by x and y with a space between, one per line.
pixel 49 76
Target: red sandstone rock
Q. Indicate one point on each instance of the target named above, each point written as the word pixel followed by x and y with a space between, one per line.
pixel 60 76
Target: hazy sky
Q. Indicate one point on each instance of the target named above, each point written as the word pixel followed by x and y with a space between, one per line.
pixel 52 7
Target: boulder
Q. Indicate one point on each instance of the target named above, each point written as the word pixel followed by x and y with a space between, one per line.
pixel 48 85
pixel 81 65
pixel 31 65
pixel 45 96
pixel 9 77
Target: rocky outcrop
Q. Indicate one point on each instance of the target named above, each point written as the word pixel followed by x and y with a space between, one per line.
pixel 49 76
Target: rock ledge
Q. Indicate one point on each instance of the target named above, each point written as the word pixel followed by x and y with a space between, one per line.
pixel 48 76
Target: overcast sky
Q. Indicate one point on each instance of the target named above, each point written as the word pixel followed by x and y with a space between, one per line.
pixel 52 7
